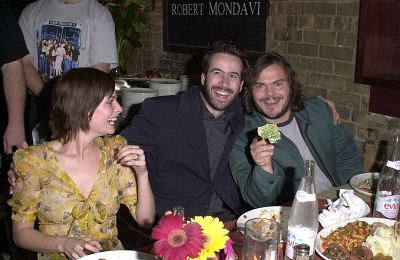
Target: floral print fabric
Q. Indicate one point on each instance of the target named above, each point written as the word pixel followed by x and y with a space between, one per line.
pixel 45 192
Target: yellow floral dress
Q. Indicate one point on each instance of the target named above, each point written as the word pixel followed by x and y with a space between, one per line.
pixel 45 192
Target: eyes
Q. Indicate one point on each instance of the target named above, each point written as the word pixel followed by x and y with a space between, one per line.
pixel 111 100
pixel 276 85
pixel 216 73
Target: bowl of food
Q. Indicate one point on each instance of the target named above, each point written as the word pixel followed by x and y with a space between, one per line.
pixel 279 214
pixel 364 237
pixel 365 183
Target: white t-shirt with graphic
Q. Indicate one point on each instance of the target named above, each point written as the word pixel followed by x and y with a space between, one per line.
pixel 65 36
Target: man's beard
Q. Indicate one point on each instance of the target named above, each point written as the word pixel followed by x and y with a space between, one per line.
pixel 279 115
pixel 206 91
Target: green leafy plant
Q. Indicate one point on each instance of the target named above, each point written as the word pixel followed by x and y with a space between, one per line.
pixel 131 18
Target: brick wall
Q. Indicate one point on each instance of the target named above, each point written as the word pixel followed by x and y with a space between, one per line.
pixel 319 39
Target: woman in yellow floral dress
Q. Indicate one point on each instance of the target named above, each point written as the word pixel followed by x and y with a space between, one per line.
pixel 74 184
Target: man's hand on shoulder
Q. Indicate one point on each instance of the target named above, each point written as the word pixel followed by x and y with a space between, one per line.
pixel 13 171
pixel 332 106
pixel 11 178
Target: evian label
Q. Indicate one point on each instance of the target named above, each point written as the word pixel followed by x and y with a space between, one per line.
pixel 303 196
pixel 299 235
pixel 393 164
pixel 388 206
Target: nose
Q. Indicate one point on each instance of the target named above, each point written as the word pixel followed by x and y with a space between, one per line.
pixel 224 80
pixel 118 108
pixel 268 90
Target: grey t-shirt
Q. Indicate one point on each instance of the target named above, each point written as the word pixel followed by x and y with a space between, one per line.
pixel 291 130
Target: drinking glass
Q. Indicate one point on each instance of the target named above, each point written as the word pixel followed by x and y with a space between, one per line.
pixel 261 239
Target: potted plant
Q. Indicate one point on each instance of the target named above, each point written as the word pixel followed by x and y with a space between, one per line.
pixel 131 20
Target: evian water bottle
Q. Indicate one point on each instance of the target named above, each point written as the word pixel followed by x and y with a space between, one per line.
pixel 387 201
pixel 303 221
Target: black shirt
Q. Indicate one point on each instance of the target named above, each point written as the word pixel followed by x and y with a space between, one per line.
pixel 217 132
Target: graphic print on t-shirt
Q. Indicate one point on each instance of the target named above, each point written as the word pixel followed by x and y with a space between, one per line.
pixel 58 46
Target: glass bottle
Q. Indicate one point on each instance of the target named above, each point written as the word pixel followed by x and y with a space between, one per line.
pixel 387 198
pixel 179 210
pixel 302 252
pixel 303 221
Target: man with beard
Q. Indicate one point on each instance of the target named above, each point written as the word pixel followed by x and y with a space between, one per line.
pixel 188 139
pixel 268 173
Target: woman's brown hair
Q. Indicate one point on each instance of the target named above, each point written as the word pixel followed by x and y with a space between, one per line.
pixel 75 97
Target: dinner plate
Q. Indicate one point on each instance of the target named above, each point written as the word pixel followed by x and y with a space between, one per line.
pixel 278 213
pixel 326 231
pixel 119 255
pixel 357 181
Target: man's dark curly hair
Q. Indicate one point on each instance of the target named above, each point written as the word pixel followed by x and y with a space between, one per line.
pixel 296 102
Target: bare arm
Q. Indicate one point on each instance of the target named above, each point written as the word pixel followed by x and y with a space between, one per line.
pixel 29 238
pixel 14 91
pixel 105 67
pixel 133 156
pixel 33 80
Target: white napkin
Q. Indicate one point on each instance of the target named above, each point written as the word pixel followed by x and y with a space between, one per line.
pixel 348 206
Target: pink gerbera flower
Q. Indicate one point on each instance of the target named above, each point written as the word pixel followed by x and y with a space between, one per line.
pixel 228 250
pixel 177 240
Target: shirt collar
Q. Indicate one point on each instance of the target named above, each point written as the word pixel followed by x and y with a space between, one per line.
pixel 283 124
pixel 206 114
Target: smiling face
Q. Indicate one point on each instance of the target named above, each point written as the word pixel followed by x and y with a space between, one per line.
pixel 271 94
pixel 105 116
pixel 222 82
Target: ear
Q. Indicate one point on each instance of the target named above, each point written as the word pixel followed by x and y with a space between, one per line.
pixel 241 86
pixel 203 78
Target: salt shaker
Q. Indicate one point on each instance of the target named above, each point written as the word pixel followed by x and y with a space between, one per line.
pixel 302 252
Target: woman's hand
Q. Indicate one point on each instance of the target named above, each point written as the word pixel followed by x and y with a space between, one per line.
pixel 133 156
pixel 262 152
pixel 74 248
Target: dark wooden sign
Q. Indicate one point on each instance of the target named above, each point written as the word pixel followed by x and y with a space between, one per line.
pixel 191 25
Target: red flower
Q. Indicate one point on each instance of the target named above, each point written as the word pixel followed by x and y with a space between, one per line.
pixel 177 240
pixel 125 5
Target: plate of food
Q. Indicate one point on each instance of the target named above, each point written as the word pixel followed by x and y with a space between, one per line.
pixel 365 183
pixel 278 213
pixel 363 237
pixel 119 255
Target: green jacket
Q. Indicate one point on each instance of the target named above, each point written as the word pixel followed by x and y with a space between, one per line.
pixel 333 148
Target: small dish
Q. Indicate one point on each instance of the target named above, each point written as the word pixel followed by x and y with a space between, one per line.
pixel 365 183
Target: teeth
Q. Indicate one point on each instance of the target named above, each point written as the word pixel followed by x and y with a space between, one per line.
pixel 111 121
pixel 222 93
pixel 271 100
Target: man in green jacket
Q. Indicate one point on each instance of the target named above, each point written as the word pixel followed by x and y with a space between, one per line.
pixel 270 173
